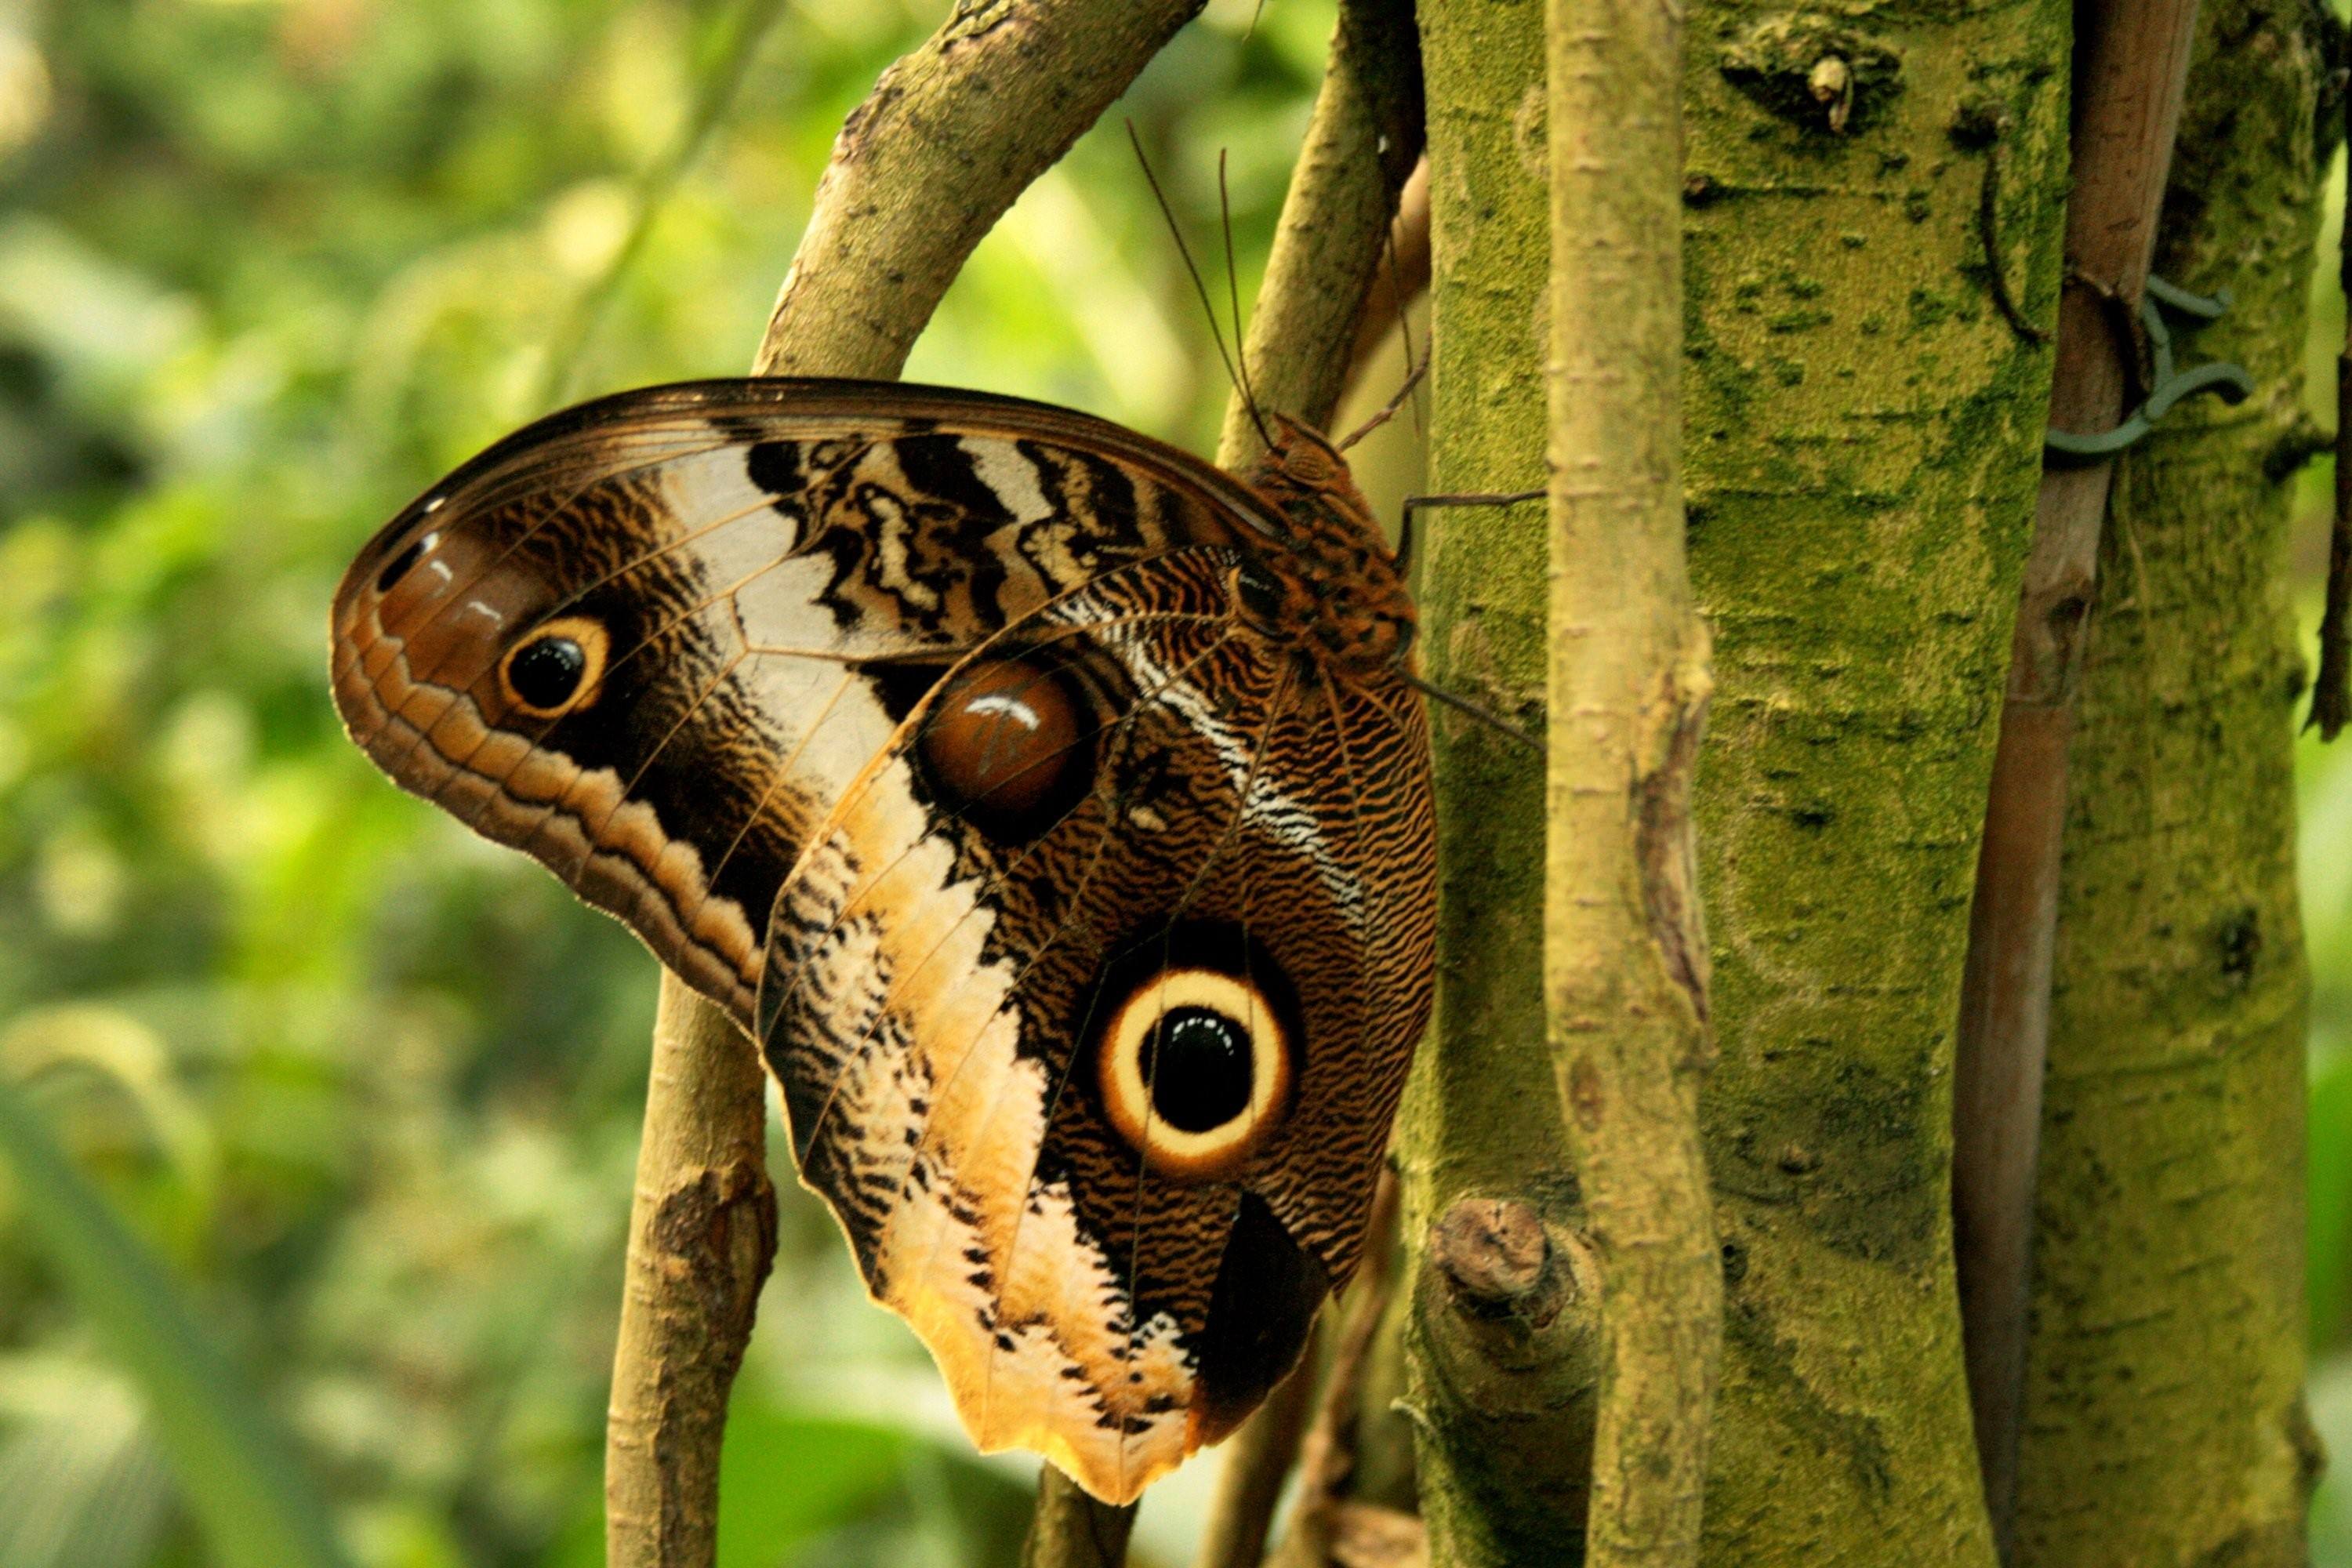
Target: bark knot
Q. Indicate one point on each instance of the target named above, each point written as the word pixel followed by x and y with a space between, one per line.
pixel 714 1234
pixel 1814 72
pixel 1498 1262
pixel 1662 822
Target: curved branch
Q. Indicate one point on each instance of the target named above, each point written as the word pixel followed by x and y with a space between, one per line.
pixel 1332 239
pixel 950 135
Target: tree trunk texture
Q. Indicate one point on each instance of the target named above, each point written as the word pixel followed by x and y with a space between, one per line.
pixel 1867 380
pixel 1874 261
pixel 2163 1417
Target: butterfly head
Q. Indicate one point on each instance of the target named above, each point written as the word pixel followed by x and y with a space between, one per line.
pixel 1337 590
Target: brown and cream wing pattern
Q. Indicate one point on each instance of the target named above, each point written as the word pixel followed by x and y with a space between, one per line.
pixel 1084 914
pixel 1098 1082
pixel 630 640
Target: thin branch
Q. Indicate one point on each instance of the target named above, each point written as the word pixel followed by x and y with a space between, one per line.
pixel 702 1235
pixel 1361 145
pixel 933 157
pixel 949 137
pixel 2131 65
pixel 1625 966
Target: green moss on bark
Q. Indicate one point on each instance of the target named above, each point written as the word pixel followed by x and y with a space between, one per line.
pixel 1862 445
pixel 1503 1419
pixel 2163 1423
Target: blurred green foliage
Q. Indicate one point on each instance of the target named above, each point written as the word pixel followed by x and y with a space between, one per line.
pixel 367 1089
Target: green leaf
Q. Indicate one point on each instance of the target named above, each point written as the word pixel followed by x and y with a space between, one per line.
pixel 236 1470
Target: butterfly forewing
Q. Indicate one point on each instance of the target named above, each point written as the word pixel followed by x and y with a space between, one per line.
pixel 1084 923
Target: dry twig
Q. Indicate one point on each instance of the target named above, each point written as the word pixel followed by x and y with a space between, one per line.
pixel 2131 65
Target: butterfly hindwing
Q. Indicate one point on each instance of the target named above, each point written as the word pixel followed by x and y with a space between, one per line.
pixel 954 992
pixel 941 740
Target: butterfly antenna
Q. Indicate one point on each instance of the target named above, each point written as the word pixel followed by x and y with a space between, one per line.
pixel 1387 411
pixel 1251 31
pixel 1199 287
pixel 1485 716
pixel 1234 299
pixel 1404 315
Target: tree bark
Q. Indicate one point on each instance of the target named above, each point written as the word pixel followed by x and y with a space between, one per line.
pixel 1873 258
pixel 2163 1420
pixel 702 1235
pixel 1501 1340
pixel 1624 947
pixel 1864 430
pixel 950 135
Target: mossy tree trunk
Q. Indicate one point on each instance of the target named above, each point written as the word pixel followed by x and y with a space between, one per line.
pixel 2163 1420
pixel 1866 388
pixel 1871 224
pixel 1865 439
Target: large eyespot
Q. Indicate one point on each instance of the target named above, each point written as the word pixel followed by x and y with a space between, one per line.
pixel 1194 1069
pixel 556 668
pixel 1004 743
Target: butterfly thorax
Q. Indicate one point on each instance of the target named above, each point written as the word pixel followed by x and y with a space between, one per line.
pixel 1335 592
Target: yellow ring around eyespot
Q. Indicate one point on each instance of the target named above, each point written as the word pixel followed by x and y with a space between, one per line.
pixel 1219 1151
pixel 595 646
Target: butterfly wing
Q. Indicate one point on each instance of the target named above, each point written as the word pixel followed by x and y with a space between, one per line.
pixel 1099 1087
pixel 636 640
pixel 918 730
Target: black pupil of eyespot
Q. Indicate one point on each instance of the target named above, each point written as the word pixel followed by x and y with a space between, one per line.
pixel 546 673
pixel 1197 1064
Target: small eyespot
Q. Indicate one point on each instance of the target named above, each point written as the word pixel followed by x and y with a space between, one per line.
pixel 1004 745
pixel 556 669
pixel 1195 1071
pixel 398 566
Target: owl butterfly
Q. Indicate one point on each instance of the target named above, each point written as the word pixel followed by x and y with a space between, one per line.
pixel 1052 809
